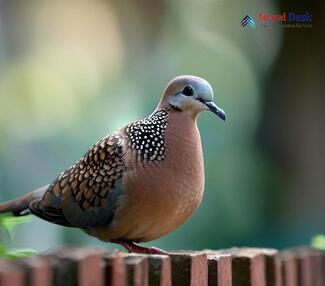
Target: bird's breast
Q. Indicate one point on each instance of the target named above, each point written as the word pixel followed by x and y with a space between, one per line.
pixel 161 195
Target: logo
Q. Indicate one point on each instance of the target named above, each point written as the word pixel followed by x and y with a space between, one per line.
pixel 281 20
pixel 248 21
pixel 285 17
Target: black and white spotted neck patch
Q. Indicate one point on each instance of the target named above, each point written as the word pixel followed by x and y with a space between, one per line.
pixel 147 136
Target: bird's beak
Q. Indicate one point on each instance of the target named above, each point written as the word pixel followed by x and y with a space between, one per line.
pixel 215 109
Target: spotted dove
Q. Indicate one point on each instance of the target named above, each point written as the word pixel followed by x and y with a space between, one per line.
pixel 138 183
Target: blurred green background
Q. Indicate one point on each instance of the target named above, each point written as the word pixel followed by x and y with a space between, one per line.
pixel 73 71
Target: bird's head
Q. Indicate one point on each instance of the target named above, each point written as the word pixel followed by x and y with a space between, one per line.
pixel 190 94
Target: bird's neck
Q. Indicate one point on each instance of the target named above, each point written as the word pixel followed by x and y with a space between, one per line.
pixel 174 111
pixel 182 133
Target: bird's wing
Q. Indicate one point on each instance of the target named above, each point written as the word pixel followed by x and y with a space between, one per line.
pixel 86 195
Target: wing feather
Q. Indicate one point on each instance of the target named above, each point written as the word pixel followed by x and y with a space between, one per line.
pixel 86 195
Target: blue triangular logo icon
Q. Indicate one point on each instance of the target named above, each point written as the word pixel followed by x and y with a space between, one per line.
pixel 248 21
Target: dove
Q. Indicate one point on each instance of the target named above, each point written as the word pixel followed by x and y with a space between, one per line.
pixel 138 183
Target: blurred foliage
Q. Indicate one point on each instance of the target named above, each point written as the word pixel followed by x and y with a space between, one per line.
pixel 7 225
pixel 318 241
pixel 9 222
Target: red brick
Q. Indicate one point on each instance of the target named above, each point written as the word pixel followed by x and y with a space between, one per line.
pixel 273 270
pixel 219 269
pixel 309 266
pixel 10 274
pixel 317 267
pixel 77 266
pixel 115 269
pixel 289 264
pixel 248 266
pixel 160 273
pixel 137 269
pixel 189 268
pixel 37 271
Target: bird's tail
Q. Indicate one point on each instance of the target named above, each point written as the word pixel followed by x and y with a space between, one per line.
pixel 19 206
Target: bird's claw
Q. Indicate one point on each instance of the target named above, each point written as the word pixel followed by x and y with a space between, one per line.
pixel 133 247
pixel 155 250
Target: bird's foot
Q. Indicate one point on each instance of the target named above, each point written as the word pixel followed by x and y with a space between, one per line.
pixel 133 247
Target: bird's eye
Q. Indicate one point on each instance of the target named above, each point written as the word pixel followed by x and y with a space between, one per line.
pixel 188 90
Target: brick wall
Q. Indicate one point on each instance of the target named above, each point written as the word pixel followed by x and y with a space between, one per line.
pixel 229 267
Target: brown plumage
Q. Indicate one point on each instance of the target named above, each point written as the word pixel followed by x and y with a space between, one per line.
pixel 138 183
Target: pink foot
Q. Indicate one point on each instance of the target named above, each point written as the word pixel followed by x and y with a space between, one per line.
pixel 132 247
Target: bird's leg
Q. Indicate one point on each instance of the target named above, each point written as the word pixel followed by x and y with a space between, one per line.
pixel 133 247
